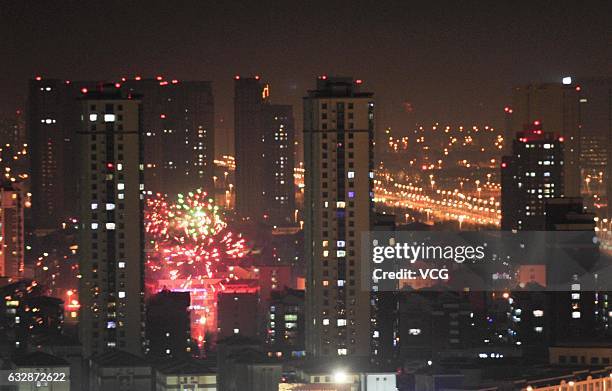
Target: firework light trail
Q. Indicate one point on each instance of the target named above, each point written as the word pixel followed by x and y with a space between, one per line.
pixel 190 248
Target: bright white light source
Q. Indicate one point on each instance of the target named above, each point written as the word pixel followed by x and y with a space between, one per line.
pixel 93 117
pixel 567 80
pixel 109 117
pixel 340 376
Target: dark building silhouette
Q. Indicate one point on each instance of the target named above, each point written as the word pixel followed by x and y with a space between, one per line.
pixel 169 324
pixel 264 148
pixel 238 309
pixel 285 324
pixel 52 121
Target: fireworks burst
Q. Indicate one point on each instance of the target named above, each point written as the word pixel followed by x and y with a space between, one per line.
pixel 190 247
pixel 189 238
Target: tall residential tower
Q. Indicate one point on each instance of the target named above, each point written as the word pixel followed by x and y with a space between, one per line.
pixel 111 242
pixel 264 147
pixel 338 154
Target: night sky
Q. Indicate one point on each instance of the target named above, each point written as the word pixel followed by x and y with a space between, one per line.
pixel 453 61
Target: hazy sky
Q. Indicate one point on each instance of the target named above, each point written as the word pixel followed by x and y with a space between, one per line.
pixel 453 61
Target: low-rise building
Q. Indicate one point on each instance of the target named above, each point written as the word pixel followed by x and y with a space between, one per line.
pixel 118 370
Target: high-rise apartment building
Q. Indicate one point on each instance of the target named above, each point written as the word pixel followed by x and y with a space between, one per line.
pixel 531 175
pixel 178 130
pixel 52 118
pixel 111 242
pixel 249 146
pixel 279 161
pixel 11 231
pixel 595 117
pixel 264 147
pixel 338 154
pixel 556 105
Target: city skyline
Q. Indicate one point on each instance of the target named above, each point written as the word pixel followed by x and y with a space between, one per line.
pixel 416 82
pixel 261 196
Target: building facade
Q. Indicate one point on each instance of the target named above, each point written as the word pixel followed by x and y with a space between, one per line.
pixel 264 147
pixel 111 242
pixel 178 131
pixel 338 154
pixel 556 105
pixel 11 231
pixel 531 175
pixel 52 118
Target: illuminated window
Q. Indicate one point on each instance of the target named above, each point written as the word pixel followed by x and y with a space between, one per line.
pixel 121 294
pixel 110 226
pixel 576 315
pixel 538 313
pixel 120 186
pixel 414 331
pixel 93 117
pixel 121 265
pixel 109 117
pixel 94 225
pixel 325 322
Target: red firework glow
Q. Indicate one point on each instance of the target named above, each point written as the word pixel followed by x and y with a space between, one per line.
pixel 190 248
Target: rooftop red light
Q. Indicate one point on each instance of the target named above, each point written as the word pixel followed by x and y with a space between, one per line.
pixel 84 90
